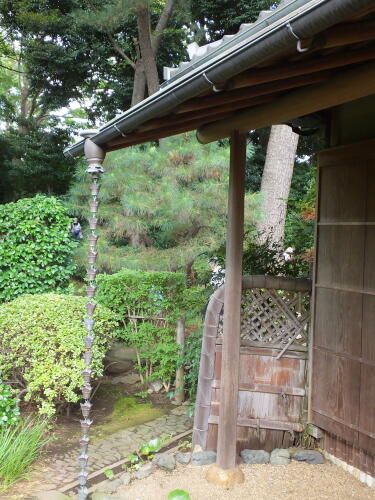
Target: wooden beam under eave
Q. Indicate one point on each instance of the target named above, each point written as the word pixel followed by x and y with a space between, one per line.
pixel 249 92
pixel 203 114
pixel 302 67
pixel 346 86
pixel 348 33
pixel 159 133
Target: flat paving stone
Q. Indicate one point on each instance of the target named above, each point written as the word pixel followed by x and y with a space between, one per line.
pixel 108 450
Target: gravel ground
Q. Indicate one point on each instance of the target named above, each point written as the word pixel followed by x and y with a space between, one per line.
pixel 263 482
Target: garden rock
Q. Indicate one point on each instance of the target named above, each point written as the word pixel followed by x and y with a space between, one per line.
pixel 203 458
pixel 109 486
pixel 51 495
pixel 183 458
pixel 130 378
pixel 255 456
pixel 156 386
pixel 164 461
pixel 312 457
pixel 280 456
pixel 144 471
pixel 119 358
pixel 125 478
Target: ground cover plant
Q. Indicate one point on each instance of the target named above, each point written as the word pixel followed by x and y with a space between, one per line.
pixel 35 247
pixel 41 347
pixel 9 410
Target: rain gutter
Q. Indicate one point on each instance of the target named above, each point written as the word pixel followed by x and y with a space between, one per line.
pixel 300 19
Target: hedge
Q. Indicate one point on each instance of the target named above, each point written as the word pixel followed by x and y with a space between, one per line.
pixel 41 346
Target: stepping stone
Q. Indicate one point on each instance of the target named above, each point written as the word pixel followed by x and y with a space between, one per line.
pixel 164 461
pixel 109 486
pixel 280 456
pixel 311 457
pixel 203 458
pixel 183 458
pixel 255 456
pixel 125 478
pixel 144 471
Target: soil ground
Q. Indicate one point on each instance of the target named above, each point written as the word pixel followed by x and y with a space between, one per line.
pixel 295 481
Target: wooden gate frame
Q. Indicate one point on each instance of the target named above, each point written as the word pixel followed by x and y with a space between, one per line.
pixel 209 340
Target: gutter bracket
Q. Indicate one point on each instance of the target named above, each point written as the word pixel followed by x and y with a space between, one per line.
pixel 119 131
pixel 214 88
pixel 299 40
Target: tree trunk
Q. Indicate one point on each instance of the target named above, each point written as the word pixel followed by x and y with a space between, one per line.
pixel 147 53
pixel 139 85
pixel 276 180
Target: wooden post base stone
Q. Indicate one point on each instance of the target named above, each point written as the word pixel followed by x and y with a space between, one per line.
pixel 220 477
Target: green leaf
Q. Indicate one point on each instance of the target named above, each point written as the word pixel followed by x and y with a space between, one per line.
pixel 178 495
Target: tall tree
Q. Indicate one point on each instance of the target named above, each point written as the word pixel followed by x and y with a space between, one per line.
pixel 276 181
pixel 137 48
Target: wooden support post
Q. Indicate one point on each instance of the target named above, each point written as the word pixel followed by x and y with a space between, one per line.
pixel 180 339
pixel 225 472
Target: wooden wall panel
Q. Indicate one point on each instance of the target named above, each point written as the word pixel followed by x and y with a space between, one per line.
pixel 343 364
pixel 334 203
pixel 369 267
pixel 367 408
pixel 368 329
pixel 339 322
pixel 341 256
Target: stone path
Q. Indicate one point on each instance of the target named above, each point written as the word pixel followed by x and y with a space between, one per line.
pixel 105 452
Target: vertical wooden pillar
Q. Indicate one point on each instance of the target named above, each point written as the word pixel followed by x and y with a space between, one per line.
pixel 180 340
pixel 226 449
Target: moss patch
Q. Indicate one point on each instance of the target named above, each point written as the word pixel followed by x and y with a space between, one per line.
pixel 128 412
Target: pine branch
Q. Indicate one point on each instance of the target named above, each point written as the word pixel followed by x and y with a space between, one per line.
pixel 11 69
pixel 120 50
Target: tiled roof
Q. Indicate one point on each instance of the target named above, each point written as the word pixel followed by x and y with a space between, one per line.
pixel 197 52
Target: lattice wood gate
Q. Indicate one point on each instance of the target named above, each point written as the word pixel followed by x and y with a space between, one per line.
pixel 273 364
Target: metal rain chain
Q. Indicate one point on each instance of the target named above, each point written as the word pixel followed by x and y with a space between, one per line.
pixel 95 156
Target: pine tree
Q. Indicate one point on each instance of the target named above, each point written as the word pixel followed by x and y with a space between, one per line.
pixel 161 207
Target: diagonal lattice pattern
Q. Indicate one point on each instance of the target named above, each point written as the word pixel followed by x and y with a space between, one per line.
pixel 273 316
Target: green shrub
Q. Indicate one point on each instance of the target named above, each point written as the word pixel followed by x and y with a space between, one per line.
pixel 41 346
pixel 148 304
pixel 149 294
pixel 20 445
pixel 9 411
pixel 35 247
pixel 191 361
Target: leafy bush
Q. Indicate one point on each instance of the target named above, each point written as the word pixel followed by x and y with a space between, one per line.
pixel 41 346
pixel 35 247
pixel 191 361
pixel 148 304
pixel 149 294
pixel 20 445
pixel 9 411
